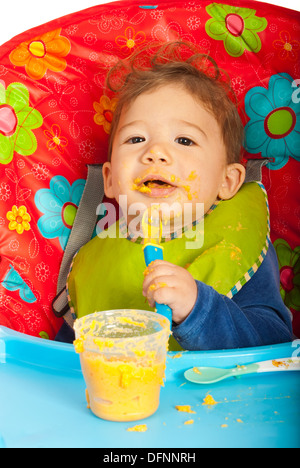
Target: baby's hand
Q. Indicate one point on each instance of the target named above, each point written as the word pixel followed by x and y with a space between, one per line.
pixel 166 283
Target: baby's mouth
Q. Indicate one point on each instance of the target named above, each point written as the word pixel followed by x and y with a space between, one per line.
pixel 154 186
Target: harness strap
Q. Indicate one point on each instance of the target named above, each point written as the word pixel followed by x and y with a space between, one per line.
pixel 254 168
pixel 81 233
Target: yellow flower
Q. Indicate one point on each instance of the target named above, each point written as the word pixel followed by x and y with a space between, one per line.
pixel 19 219
pixel 104 112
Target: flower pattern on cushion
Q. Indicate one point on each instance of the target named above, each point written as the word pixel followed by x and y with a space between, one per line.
pixel 14 282
pixel 237 27
pixel 104 112
pixel 55 140
pixel 130 39
pixel 289 264
pixel 61 78
pixel 17 120
pixel 59 204
pixel 5 191
pixel 19 219
pixel 274 126
pixel 288 48
pixel 41 53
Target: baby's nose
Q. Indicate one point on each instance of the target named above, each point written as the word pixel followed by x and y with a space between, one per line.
pixel 156 156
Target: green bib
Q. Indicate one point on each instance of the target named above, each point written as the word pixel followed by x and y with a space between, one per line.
pixel 107 273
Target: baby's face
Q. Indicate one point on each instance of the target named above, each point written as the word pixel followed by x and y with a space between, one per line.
pixel 167 149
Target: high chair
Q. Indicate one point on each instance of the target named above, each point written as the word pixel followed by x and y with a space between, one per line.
pixel 55 119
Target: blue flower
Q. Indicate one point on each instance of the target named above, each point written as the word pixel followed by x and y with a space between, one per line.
pixel 59 205
pixel 14 282
pixel 274 126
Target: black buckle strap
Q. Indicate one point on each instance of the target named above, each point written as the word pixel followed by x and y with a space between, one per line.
pixel 60 305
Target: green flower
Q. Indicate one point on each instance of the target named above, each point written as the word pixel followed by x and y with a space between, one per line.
pixel 289 264
pixel 17 119
pixel 236 27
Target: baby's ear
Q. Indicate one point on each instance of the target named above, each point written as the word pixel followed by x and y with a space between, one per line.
pixel 107 179
pixel 233 179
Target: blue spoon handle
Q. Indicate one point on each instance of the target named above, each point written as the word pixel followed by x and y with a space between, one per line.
pixel 155 252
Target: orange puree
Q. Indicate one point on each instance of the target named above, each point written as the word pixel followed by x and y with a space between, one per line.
pixel 185 408
pixel 138 428
pixel 209 401
pixel 123 357
pixel 121 390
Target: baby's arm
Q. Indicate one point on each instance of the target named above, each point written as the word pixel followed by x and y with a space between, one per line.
pixel 255 316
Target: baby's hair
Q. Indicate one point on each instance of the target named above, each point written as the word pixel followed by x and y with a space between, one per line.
pixel 179 63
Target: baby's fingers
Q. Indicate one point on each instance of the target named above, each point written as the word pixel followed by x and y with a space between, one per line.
pixel 159 290
pixel 156 270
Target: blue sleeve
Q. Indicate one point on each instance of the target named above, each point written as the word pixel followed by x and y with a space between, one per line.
pixel 255 316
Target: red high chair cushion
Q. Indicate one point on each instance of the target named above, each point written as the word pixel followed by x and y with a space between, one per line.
pixel 54 120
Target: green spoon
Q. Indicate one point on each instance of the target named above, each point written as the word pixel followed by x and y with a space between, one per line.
pixel 207 375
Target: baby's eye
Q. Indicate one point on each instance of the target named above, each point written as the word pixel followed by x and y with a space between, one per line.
pixel 135 140
pixel 184 141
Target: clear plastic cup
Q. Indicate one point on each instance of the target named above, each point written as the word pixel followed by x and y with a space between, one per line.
pixel 123 360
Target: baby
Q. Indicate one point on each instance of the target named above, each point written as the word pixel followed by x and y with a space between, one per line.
pixel 176 140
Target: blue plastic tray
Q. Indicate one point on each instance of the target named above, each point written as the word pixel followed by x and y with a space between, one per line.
pixel 42 401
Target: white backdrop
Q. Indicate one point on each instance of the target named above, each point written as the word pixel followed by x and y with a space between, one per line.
pixel 19 15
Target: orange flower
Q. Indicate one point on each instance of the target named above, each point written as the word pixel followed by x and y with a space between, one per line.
pixel 131 39
pixel 42 52
pixel 55 139
pixel 19 219
pixel 104 112
pixel 288 47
